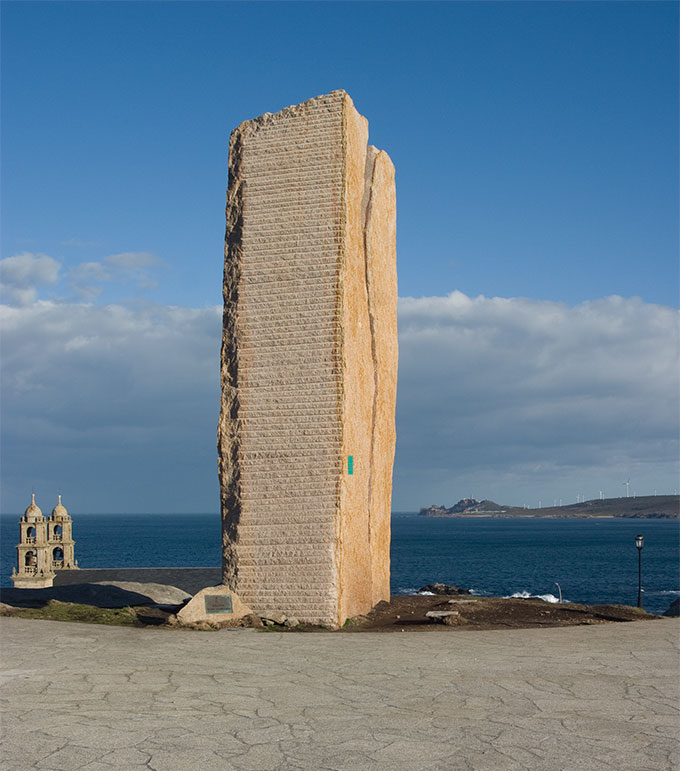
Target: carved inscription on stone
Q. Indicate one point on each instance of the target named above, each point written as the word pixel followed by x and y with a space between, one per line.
pixel 309 358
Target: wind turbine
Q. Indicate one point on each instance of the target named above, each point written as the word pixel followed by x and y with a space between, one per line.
pixel 627 484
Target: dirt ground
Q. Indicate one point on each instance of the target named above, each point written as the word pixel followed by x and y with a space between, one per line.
pixel 408 613
pixel 403 613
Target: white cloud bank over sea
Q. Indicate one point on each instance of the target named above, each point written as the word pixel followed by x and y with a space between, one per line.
pixel 520 400
pixel 506 398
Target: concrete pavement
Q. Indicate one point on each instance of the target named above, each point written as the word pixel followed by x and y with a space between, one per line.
pixel 79 696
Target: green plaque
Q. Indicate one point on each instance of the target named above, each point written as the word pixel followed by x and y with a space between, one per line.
pixel 218 603
pixel 350 464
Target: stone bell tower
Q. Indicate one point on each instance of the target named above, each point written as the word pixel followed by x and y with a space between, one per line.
pixel 60 538
pixel 45 545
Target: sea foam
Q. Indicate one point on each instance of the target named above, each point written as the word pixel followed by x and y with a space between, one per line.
pixel 524 595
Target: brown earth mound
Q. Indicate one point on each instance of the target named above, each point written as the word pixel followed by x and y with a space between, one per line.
pixel 410 612
pixel 404 613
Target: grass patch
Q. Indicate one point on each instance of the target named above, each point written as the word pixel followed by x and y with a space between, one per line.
pixel 354 621
pixel 85 614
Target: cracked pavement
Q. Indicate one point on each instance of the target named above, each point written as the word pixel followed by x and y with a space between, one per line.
pixel 97 698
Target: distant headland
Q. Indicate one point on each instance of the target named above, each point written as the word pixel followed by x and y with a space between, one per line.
pixel 640 507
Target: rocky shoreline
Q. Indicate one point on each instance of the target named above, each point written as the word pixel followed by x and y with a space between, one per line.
pixel 641 507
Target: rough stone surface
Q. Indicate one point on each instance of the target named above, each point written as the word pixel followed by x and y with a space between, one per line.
pixel 275 616
pixel 309 360
pixel 159 594
pixel 192 580
pixel 455 620
pixel 441 613
pixel 674 608
pixel 105 595
pixel 194 611
pixel 589 698
pixel 438 588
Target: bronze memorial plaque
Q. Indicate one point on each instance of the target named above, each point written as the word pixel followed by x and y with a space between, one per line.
pixel 218 603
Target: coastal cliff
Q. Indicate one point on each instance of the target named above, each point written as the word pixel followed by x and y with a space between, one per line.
pixel 641 507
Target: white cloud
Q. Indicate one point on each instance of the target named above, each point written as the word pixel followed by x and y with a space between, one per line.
pixel 115 403
pixel 501 398
pixel 126 268
pixel 131 260
pixel 21 274
pixel 518 395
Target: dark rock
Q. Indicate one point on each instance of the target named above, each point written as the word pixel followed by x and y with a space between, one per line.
pixel 465 504
pixel 271 617
pixel 456 620
pixel 674 610
pixel 438 588
pixel 253 620
pixel 153 616
pixel 464 507
pixel 433 511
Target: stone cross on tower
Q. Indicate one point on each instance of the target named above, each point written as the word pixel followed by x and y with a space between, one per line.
pixel 309 363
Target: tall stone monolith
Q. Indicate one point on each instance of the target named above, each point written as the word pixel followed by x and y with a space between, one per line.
pixel 309 363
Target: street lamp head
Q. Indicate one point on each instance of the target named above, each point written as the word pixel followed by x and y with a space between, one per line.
pixel 639 541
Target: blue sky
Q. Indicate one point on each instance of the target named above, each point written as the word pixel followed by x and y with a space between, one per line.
pixel 536 148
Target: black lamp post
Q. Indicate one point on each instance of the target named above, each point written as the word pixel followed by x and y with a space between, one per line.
pixel 639 542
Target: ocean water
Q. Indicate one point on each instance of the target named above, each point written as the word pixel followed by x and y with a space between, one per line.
pixel 594 560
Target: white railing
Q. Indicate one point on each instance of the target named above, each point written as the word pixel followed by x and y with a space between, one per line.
pixel 56 564
pixel 57 537
pixel 30 539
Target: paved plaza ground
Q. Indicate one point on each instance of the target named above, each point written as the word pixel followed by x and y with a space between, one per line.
pixel 78 696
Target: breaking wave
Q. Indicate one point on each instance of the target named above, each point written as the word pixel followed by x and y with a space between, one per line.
pixel 413 591
pixel 524 595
